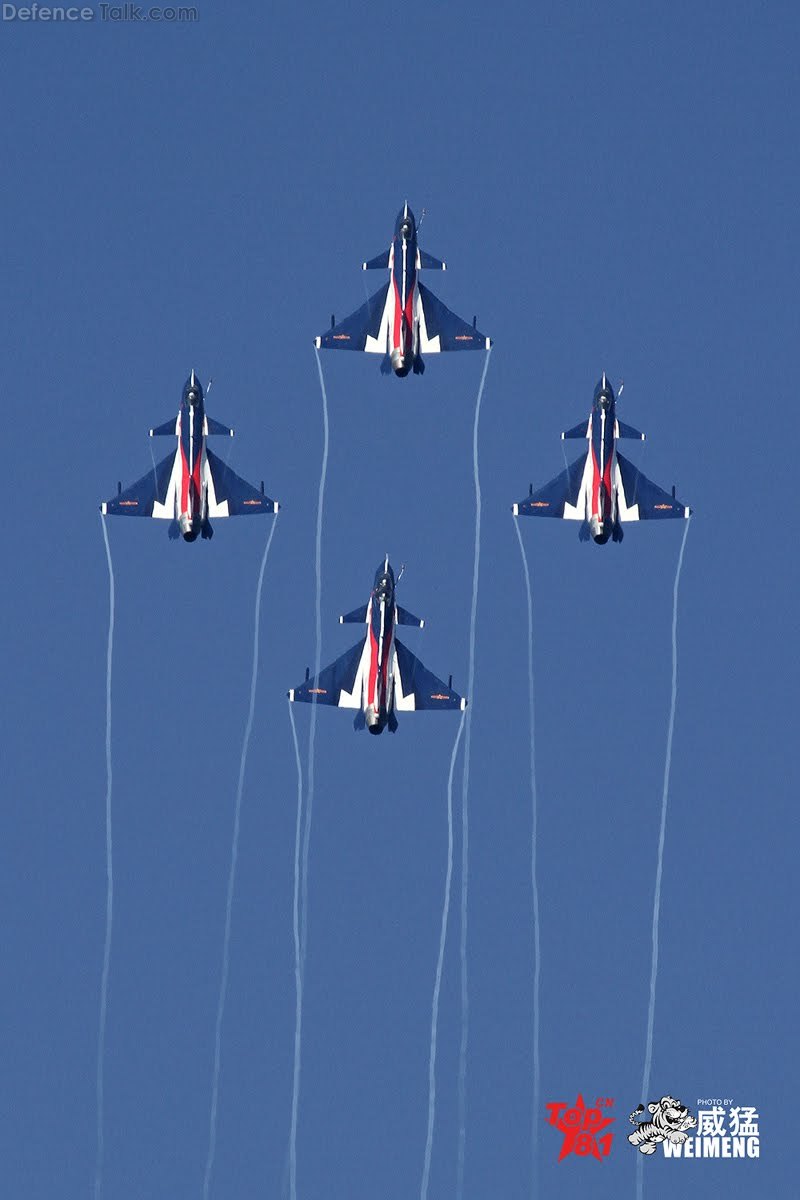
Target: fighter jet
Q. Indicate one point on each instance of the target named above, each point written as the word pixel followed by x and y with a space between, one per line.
pixel 602 489
pixel 191 484
pixel 379 676
pixel 403 320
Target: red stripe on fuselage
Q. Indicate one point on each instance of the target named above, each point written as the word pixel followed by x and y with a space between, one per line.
pixel 184 483
pixel 595 484
pixel 373 667
pixel 384 676
pixel 197 481
pixel 606 478
pixel 398 318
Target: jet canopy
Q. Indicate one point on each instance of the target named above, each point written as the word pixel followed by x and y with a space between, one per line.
pixel 384 586
pixel 405 223
pixel 604 393
pixel 192 390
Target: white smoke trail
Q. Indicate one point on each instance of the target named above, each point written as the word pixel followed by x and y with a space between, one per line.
pixel 534 881
pixel 423 1192
pixel 223 987
pixel 300 904
pixel 101 1033
pixel 651 1012
pixel 462 1058
pixel 298 971
pixel 317 663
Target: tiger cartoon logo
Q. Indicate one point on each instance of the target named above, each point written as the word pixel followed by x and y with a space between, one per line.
pixel 670 1120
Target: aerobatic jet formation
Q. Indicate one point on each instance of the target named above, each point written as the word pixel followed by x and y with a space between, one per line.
pixel 403 320
pixel 191 484
pixel 379 676
pixel 602 489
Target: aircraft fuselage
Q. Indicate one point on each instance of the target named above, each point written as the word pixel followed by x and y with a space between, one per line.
pixel 601 515
pixel 378 697
pixel 191 502
pixel 403 258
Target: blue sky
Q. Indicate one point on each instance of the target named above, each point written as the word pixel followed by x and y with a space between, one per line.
pixel 612 186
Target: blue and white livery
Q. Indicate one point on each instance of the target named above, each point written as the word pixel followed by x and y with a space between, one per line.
pixel 403 320
pixel 602 489
pixel 379 676
pixel 191 484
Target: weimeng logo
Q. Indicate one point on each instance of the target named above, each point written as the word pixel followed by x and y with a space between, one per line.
pixel 725 1130
pixel 721 1129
